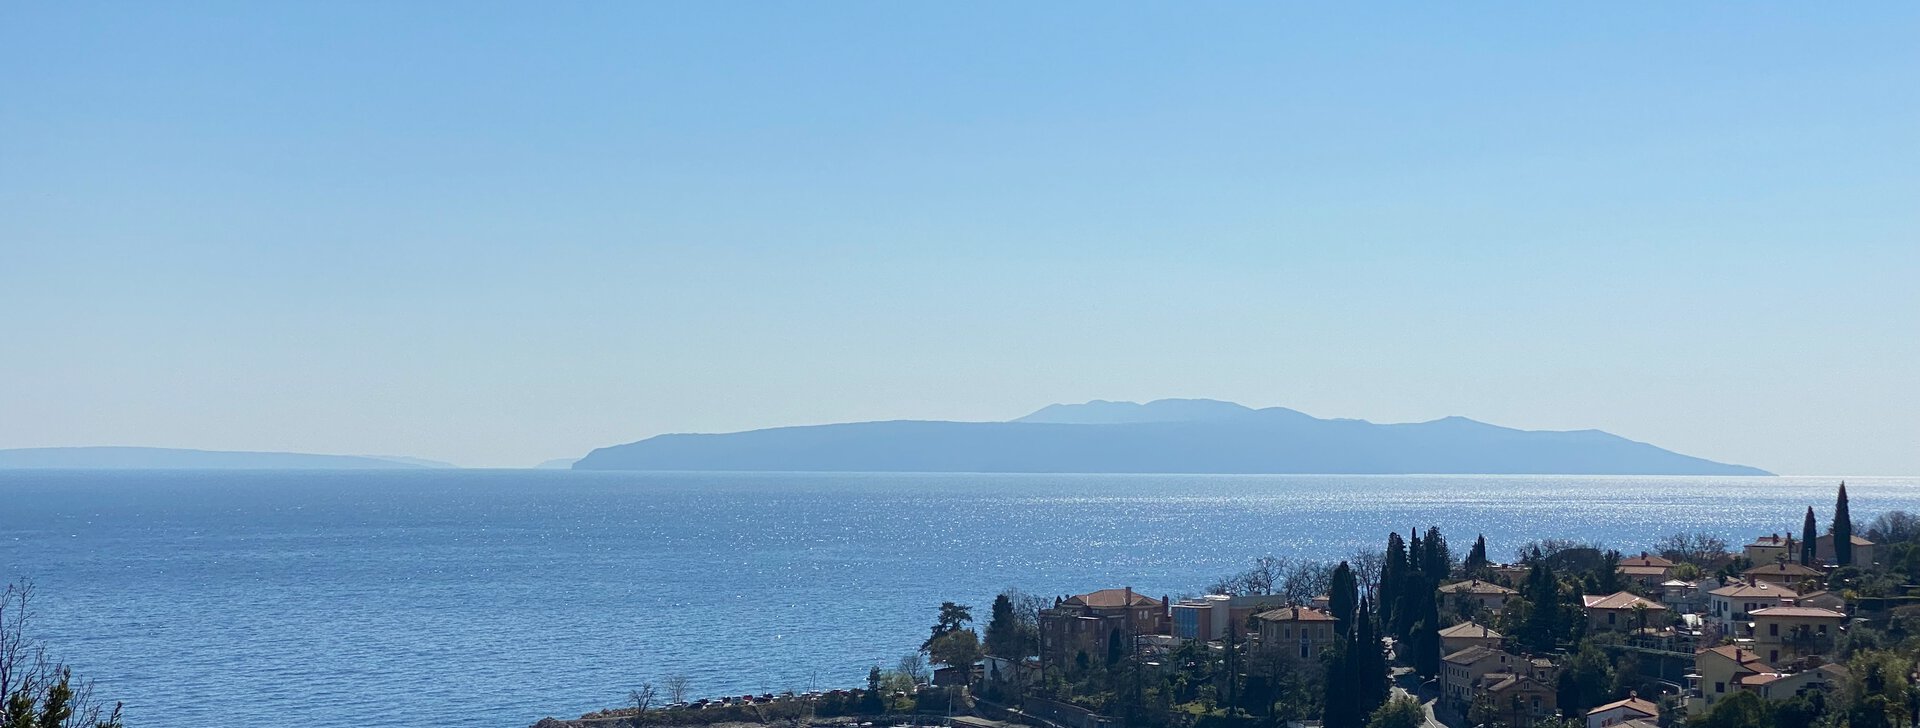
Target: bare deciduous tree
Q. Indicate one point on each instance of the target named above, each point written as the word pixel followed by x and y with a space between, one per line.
pixel 913 667
pixel 677 686
pixel 642 701
pixel 1366 564
pixel 1699 548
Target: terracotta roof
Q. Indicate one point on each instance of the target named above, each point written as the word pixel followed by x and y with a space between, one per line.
pixel 1803 612
pixel 1646 559
pixel 1475 586
pixel 1784 568
pixel 1773 540
pixel 1857 541
pixel 1643 707
pixel 1294 614
pixel 1745 657
pixel 1109 598
pixel 1755 590
pixel 1643 570
pixel 1620 600
pixel 1469 629
pixel 1472 655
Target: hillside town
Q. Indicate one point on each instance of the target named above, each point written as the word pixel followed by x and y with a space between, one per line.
pixel 1819 627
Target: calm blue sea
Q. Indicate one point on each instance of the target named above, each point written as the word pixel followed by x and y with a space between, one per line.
pixel 493 598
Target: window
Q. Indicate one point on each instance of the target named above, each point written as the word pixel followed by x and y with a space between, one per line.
pixel 1610 617
pixel 1303 649
pixel 1719 687
pixel 1773 630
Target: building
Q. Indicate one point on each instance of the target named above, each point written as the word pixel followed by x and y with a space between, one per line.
pixel 1823 599
pixel 1208 618
pixel 1645 569
pixel 1079 629
pixel 1468 634
pixel 1683 596
pixel 1302 632
pixel 1622 612
pixel 1862 550
pixel 1793 632
pixel 1621 711
pixel 1771 548
pixel 1472 595
pixel 1720 671
pixel 1517 700
pixel 1784 573
pixel 1462 672
pixel 1783 686
pixel 1728 606
pixel 1717 674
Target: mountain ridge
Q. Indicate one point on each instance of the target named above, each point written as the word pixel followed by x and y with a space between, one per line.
pixel 1163 436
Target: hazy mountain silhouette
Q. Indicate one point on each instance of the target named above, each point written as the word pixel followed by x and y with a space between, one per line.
pixel 160 458
pixel 1166 436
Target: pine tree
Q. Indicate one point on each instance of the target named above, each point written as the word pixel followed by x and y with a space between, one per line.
pixel 1343 592
pixel 1842 530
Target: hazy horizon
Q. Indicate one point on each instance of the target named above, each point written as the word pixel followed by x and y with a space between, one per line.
pixel 499 236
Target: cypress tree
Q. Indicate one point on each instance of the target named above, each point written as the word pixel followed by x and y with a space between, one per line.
pixel 1438 562
pixel 1808 536
pixel 1842 530
pixel 1543 622
pixel 1343 592
pixel 1476 557
pixel 1370 672
pixel 1393 571
pixel 1340 703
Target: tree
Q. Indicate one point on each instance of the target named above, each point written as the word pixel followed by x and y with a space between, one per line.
pixel 677 688
pixel 1438 562
pixel 1401 712
pixel 1116 648
pixel 1343 596
pixel 1542 592
pixel 1004 634
pixel 1894 527
pixel 1808 536
pixel 642 701
pixel 1743 709
pixel 1476 564
pixel 1370 677
pixel 1393 571
pixel 1842 530
pixel 1700 548
pixel 952 618
pixel 1367 563
pixel 912 667
pixel 37 691
pixel 959 648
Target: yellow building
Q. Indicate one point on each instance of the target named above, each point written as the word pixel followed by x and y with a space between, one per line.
pixel 1792 632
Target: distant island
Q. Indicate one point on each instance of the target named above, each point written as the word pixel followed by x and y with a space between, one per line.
pixel 1164 436
pixel 162 458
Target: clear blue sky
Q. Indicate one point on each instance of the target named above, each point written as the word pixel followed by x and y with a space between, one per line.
pixel 500 233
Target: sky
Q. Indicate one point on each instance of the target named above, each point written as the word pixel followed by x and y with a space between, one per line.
pixel 496 233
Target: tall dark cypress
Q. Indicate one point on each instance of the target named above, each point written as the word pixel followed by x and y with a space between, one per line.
pixel 1438 563
pixel 1393 571
pixel 1476 557
pixel 1343 593
pixel 1808 537
pixel 1842 530
pixel 1406 609
pixel 1371 673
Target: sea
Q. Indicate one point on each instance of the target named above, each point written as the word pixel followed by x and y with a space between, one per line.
pixel 493 598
